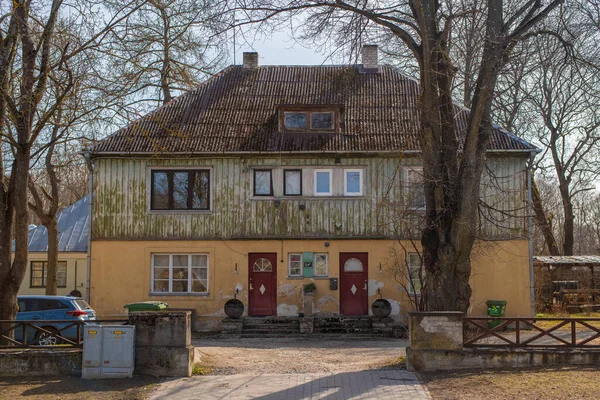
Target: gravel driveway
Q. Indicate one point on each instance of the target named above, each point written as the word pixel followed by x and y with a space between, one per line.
pixel 298 355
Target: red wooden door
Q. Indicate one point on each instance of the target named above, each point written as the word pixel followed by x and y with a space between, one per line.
pixel 353 283
pixel 262 284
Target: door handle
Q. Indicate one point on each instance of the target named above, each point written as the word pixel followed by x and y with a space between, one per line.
pixel 365 287
pixel 251 287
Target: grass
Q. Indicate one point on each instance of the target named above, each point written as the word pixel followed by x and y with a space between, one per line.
pixel 551 324
pixel 199 369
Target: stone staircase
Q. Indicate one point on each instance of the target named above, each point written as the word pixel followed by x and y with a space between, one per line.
pixel 343 325
pixel 266 327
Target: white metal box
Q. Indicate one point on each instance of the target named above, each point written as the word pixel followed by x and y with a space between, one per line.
pixel 108 351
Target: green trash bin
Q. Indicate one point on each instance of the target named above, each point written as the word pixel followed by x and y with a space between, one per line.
pixel 495 308
pixel 146 306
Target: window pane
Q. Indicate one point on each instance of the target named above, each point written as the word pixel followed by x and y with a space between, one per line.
pixel 353 182
pixel 353 265
pixel 321 264
pixel 161 273
pixel 293 182
pixel 180 260
pixel 414 271
pixel 321 120
pixel 161 286
pixel 199 273
pixel 61 274
pixel 200 286
pixel 180 190
pixel 38 272
pixel 161 260
pixel 295 264
pixel 295 120
pixel 160 191
pixel 322 182
pixel 200 190
pixel 180 273
pixel 199 261
pixel 416 191
pixel 180 286
pixel 262 183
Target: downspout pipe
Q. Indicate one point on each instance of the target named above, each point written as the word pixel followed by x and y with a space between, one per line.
pixel 530 229
pixel 88 161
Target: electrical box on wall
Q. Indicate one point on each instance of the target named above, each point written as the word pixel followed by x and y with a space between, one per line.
pixel 108 351
pixel 333 283
pixel 307 263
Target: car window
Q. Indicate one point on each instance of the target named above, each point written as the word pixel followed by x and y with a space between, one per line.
pixel 54 305
pixel 29 305
pixel 83 305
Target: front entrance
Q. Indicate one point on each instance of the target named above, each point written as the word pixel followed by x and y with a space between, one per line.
pixel 354 284
pixel 262 284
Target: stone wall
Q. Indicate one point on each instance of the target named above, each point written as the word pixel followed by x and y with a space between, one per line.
pixel 40 362
pixel 436 344
pixel 163 343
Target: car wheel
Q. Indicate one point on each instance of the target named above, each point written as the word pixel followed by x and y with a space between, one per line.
pixel 45 339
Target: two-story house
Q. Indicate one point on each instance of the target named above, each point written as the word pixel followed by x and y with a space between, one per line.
pixel 265 178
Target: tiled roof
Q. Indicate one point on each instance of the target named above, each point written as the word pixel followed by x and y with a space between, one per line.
pixel 73 230
pixel 235 111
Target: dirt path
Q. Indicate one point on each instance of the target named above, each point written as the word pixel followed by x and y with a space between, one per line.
pixel 298 355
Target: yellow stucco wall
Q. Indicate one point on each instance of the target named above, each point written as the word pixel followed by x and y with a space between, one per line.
pixel 76 273
pixel 121 274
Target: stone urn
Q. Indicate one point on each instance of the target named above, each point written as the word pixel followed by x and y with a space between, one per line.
pixel 381 308
pixel 234 308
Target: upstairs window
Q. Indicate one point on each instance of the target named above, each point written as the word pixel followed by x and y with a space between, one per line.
pixel 322 182
pixel 292 182
pixel 415 191
pixel 180 190
pixel 263 182
pixel 309 120
pixel 353 182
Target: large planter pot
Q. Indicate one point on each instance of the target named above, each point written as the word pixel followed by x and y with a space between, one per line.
pixel 234 308
pixel 381 308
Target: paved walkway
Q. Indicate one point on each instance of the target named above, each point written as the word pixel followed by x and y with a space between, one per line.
pixel 383 384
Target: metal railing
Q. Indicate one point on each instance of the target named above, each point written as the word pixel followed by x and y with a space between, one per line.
pixel 532 332
pixel 46 333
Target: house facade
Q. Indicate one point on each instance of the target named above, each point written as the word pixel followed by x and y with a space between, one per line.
pixel 266 178
pixel 72 268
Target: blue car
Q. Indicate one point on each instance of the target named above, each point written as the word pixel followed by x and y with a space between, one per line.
pixel 45 309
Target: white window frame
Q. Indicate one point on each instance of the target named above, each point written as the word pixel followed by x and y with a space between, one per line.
pixel 360 182
pixel 290 264
pixel 315 263
pixel 408 185
pixel 330 172
pixel 190 279
pixel 409 268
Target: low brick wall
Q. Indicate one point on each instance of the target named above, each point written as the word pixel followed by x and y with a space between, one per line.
pixel 436 344
pixel 40 362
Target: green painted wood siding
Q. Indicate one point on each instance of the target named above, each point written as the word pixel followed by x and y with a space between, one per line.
pixel 122 201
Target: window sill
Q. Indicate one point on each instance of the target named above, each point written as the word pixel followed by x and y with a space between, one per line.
pixel 175 212
pixel 182 294
pixel 296 277
pixel 321 277
pixel 303 198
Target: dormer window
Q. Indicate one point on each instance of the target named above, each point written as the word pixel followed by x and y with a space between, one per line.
pixel 304 119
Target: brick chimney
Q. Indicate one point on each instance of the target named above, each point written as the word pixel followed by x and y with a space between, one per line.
pixel 250 59
pixel 369 59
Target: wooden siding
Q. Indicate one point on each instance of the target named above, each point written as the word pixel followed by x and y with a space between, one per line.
pixel 122 193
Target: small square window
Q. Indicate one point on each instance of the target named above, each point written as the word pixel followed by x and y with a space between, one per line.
pixel 295 264
pixel 322 182
pixel 415 273
pixel 292 182
pixel 321 120
pixel 295 120
pixel 321 264
pixel 353 182
pixel 263 182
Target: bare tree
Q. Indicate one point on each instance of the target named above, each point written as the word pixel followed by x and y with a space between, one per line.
pixel 30 54
pixel 452 165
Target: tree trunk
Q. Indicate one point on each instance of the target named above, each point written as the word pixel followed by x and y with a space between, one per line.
pixel 8 305
pixel 52 265
pixel 541 220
